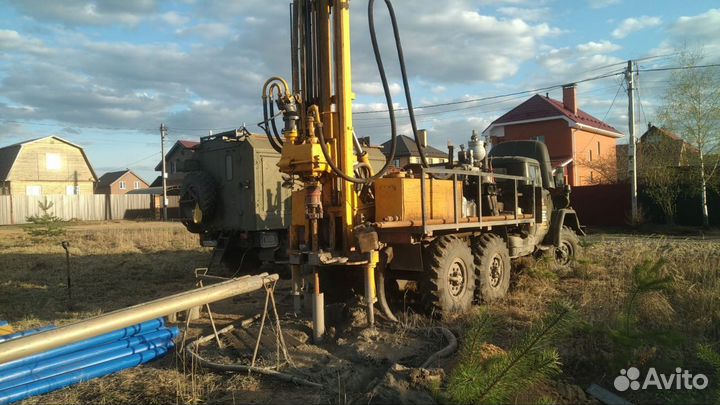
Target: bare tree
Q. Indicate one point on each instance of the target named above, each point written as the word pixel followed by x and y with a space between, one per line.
pixel 604 169
pixel 691 109
pixel 661 178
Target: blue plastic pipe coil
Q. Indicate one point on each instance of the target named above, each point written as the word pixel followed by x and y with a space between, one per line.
pixel 86 356
pixel 63 380
pixel 92 342
pixel 24 333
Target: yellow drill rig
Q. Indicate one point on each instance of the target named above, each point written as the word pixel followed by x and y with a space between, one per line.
pixel 450 229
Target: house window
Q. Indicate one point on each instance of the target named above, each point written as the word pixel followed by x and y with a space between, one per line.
pixel 72 190
pixel 52 161
pixel 397 163
pixel 172 167
pixel 123 186
pixel 540 138
pixel 598 148
pixel 33 190
pixel 136 185
pixel 590 154
pixel 228 167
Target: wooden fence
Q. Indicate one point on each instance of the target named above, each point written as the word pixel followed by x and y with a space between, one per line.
pixel 15 209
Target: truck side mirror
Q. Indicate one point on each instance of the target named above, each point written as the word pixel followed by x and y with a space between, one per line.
pixel 559 179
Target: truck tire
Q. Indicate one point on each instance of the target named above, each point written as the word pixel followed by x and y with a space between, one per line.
pixel 198 192
pixel 448 281
pixel 569 248
pixel 492 267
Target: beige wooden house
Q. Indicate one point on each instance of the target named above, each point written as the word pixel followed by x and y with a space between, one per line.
pixel 45 166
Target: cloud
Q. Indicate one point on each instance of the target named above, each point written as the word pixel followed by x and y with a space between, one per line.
pixel 630 25
pixel 12 41
pixel 702 30
pixel 207 30
pixel 527 14
pixel 375 88
pixel 83 12
pixel 174 18
pixel 602 3
pixel 598 47
pixel 451 42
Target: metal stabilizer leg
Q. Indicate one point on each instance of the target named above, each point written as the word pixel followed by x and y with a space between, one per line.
pixel 318 310
pixel 370 297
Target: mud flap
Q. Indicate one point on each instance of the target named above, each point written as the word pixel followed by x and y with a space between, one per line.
pixel 563 217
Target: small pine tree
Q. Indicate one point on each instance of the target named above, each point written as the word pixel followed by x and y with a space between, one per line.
pixel 47 224
pixel 708 355
pixel 498 379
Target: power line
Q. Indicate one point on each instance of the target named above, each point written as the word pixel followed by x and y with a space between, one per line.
pixel 680 68
pixel 517 93
pixel 127 166
pixel 620 87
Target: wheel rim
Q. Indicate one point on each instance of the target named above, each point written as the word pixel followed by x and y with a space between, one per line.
pixel 457 277
pixel 563 253
pixel 497 271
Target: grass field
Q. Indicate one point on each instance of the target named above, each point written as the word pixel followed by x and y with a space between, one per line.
pixel 115 265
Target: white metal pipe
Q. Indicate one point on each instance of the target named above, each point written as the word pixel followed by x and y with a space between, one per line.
pixel 122 318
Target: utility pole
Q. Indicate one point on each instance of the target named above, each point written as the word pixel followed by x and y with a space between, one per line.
pixel 163 135
pixel 632 145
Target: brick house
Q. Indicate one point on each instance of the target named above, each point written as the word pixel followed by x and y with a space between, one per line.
pixel 119 182
pixel 576 140
pixel 45 166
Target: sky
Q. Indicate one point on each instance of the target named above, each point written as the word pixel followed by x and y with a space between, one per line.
pixel 106 74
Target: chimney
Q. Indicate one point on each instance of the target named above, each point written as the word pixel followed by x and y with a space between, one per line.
pixel 570 97
pixel 422 134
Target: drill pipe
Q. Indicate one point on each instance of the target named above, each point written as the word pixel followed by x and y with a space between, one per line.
pixel 122 318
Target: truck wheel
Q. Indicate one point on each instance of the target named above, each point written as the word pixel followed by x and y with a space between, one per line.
pixel 448 281
pixel 492 267
pixel 197 200
pixel 569 247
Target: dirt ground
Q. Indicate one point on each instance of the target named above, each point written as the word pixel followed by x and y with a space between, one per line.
pixel 118 264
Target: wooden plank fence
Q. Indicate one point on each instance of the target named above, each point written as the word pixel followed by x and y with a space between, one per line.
pixel 15 209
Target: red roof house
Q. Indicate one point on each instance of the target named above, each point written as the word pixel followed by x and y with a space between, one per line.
pixel 573 137
pixel 181 151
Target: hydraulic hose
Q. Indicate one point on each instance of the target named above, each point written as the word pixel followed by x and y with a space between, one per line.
pixel 272 114
pixel 388 99
pixel 403 71
pixel 264 126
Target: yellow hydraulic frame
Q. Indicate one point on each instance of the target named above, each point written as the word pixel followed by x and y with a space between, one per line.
pixel 325 207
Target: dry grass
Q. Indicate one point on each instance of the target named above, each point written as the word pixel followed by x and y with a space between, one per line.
pixel 671 323
pixel 112 266
pixel 115 265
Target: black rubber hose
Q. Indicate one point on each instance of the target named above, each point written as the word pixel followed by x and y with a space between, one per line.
pixel 388 99
pixel 406 83
pixel 274 145
pixel 272 122
pixel 381 294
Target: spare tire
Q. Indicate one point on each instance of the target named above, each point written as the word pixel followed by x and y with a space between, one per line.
pixel 198 200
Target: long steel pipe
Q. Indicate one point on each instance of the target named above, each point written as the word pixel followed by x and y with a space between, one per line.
pixel 19 348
